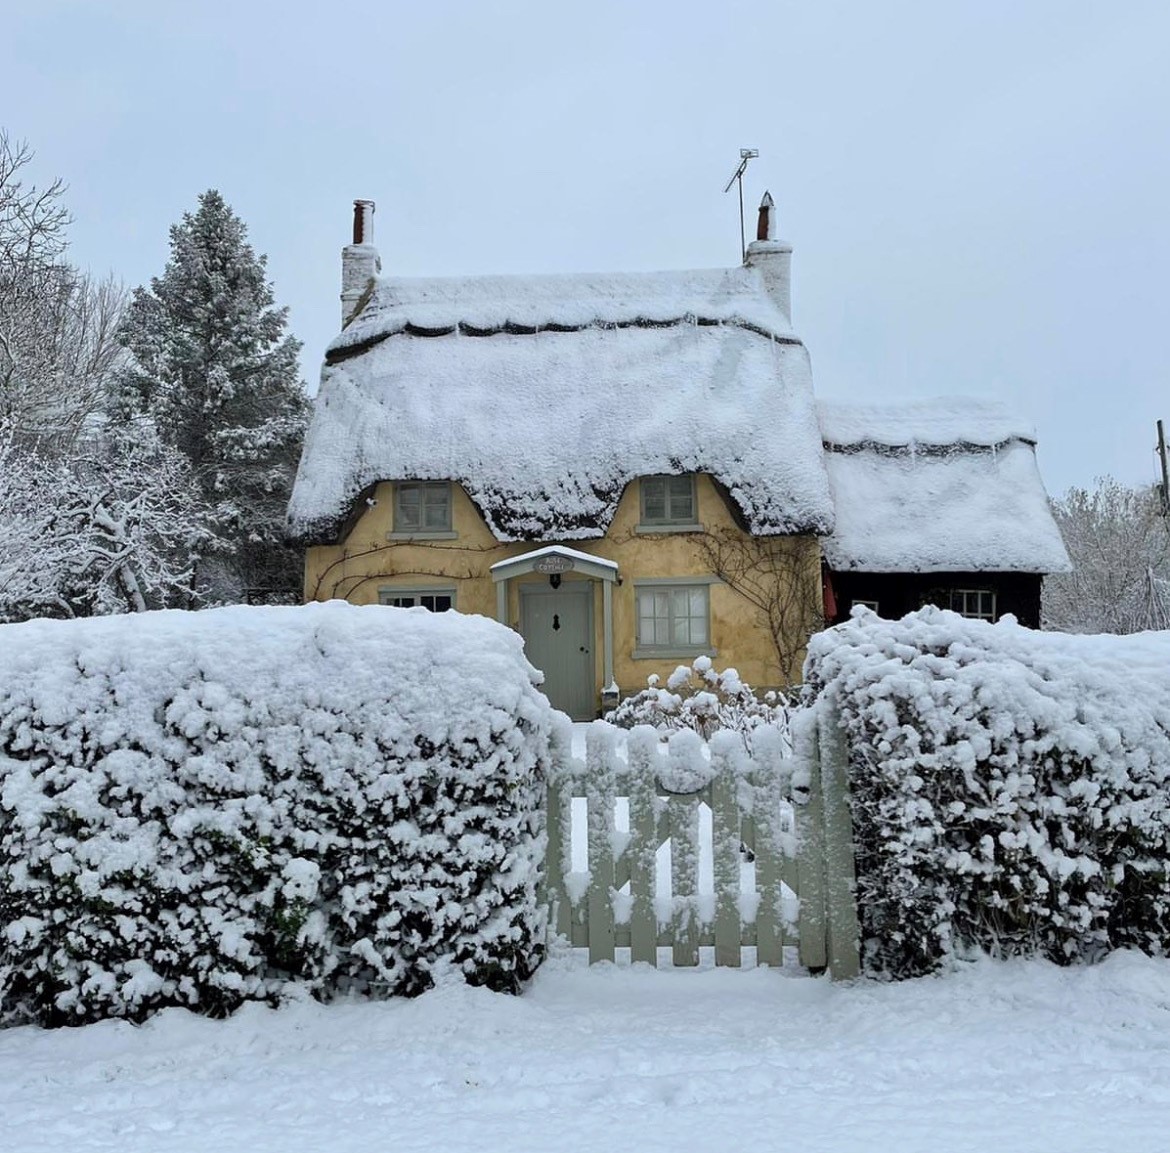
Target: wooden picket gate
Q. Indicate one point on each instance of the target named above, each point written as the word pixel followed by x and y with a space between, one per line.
pixel 789 812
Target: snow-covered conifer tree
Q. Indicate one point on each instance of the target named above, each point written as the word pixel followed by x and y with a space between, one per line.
pixel 215 369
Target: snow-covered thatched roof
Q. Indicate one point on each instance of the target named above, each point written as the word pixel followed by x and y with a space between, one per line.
pixel 544 396
pixel 936 486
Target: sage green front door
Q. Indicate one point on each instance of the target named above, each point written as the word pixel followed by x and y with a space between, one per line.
pixel 557 626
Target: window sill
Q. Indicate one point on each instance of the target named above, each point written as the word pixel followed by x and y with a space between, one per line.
pixel 424 536
pixel 657 529
pixel 673 654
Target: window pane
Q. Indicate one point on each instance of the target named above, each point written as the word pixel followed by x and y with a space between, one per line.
pixel 682 505
pixel 654 498
pixel 662 618
pixel 680 630
pixel 437 507
pixel 408 512
pixel 698 616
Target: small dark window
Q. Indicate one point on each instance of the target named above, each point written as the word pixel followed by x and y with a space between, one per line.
pixel 978 604
pixel 435 602
pixel 422 506
pixel 668 500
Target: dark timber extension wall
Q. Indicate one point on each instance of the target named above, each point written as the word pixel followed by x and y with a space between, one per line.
pixel 900 593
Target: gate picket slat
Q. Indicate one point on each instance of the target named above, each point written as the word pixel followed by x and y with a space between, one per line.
pixel 684 877
pixel 841 925
pixel 555 863
pixel 600 755
pixel 643 848
pixel 769 944
pixel 789 899
pixel 769 852
pixel 810 833
pixel 725 843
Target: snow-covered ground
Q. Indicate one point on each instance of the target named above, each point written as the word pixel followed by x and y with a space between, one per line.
pixel 1007 1058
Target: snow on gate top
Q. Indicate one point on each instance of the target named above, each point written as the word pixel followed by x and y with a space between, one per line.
pixel 545 395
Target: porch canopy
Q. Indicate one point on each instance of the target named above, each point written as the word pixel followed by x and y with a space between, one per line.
pixel 554 560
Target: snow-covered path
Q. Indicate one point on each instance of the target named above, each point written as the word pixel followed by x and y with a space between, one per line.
pixel 1004 1058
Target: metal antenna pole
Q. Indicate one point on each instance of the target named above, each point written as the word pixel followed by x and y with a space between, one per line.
pixel 1165 490
pixel 742 234
pixel 745 154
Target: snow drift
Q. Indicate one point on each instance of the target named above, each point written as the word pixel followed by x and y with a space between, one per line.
pixel 197 808
pixel 1008 787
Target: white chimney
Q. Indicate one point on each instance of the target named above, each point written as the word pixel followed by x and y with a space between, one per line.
pixel 773 258
pixel 360 262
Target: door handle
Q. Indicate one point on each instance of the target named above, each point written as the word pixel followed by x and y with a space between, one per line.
pixel 584 649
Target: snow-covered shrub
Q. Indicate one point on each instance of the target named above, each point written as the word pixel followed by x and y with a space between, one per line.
pixel 701 698
pixel 197 808
pixel 1010 789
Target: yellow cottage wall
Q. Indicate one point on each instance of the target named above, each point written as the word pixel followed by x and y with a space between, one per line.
pixel 368 563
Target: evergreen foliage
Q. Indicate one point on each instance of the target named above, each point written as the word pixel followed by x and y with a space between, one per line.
pixel 216 371
pixel 1010 789
pixel 198 809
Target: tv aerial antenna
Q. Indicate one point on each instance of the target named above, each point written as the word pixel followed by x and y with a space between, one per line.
pixel 745 154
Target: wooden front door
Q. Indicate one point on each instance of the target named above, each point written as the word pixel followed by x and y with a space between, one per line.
pixel 557 627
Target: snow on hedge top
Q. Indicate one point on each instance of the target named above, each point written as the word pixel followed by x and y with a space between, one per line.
pixel 936 486
pixel 545 396
pixel 445 676
pixel 980 689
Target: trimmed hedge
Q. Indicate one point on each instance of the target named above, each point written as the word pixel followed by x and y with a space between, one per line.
pixel 197 809
pixel 1010 789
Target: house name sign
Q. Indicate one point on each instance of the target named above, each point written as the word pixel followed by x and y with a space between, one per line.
pixel 554 564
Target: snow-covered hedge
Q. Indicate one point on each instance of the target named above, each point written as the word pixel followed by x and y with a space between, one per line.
pixel 1010 789
pixel 198 808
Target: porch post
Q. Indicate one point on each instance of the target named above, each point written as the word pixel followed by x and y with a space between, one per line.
pixel 607 630
pixel 502 601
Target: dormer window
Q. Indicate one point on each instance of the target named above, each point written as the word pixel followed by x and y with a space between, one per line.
pixel 668 502
pixel 422 508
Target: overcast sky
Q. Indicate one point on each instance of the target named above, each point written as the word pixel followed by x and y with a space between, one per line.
pixel 978 193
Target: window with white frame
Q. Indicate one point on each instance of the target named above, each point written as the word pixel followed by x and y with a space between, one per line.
pixel 673 618
pixel 978 604
pixel 434 600
pixel 422 506
pixel 668 500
